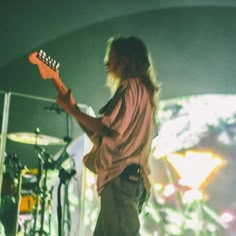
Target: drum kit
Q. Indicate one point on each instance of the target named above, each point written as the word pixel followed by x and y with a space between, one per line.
pixel 26 196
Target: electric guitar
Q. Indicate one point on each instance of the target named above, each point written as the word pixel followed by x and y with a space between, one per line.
pixel 49 69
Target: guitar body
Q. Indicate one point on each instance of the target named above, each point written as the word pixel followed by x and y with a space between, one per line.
pixel 89 159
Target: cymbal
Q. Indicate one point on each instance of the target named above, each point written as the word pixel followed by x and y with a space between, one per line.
pixel 37 139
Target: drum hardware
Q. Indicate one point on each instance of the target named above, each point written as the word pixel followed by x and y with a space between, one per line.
pixel 12 181
pixel 65 177
pixel 45 163
pixel 27 203
pixel 39 198
pixel 54 107
pixel 65 166
pixel 33 138
pixel 35 202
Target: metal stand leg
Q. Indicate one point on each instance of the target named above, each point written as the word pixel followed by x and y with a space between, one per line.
pixel 64 179
pixel 45 163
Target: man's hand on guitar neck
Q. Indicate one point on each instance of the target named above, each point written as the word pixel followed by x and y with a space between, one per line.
pixel 90 124
pixel 67 102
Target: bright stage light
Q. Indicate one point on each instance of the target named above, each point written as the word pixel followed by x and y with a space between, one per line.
pixel 169 190
pixel 184 121
pixel 192 195
pixel 227 218
pixel 194 167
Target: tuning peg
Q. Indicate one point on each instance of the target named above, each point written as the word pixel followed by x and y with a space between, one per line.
pixel 50 62
pixel 40 52
pixel 44 55
pixel 54 64
pixel 57 66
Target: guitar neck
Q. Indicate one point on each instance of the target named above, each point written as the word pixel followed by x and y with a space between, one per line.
pixel 59 85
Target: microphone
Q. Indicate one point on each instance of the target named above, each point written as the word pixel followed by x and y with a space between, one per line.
pixel 63 156
pixel 66 175
pixel 54 108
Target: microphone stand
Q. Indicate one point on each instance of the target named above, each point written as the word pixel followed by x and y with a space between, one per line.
pixel 45 164
pixel 65 177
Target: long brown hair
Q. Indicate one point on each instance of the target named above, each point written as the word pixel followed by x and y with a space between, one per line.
pixel 134 62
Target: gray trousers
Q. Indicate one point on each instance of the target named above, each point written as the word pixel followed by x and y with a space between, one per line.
pixel 121 203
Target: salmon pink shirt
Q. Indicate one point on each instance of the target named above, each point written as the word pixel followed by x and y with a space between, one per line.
pixel 130 114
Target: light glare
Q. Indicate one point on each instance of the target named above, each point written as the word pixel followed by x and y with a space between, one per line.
pixel 194 167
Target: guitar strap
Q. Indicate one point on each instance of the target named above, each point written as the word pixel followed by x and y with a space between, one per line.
pixel 110 105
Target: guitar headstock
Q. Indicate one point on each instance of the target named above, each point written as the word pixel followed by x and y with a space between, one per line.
pixel 48 67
